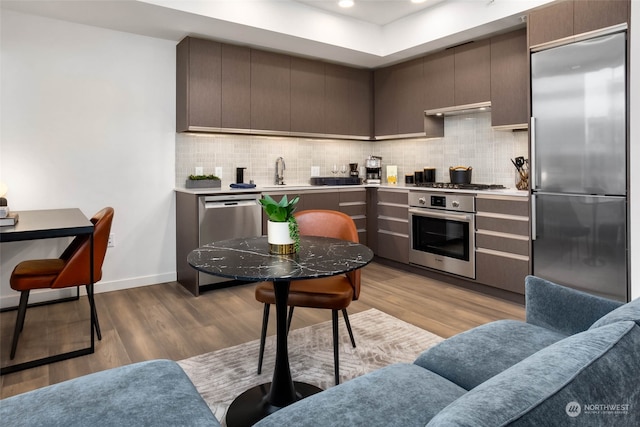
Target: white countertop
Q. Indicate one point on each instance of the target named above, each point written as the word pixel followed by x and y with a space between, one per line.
pixel 309 187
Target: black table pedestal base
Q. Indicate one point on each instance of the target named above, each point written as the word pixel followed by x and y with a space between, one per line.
pixel 253 405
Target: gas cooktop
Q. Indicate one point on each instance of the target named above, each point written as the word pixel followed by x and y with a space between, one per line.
pixel 449 185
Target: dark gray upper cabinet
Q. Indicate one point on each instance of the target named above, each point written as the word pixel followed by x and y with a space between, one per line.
pixel 270 91
pixel 509 79
pixel 336 106
pixel 438 80
pixel 385 101
pixel 236 87
pixel 360 103
pixel 596 14
pixel 410 94
pixel 472 73
pixel 307 96
pixel 399 99
pixel 568 18
pixel 549 23
pixel 228 88
pixel 458 76
pixel 198 83
pixel 348 101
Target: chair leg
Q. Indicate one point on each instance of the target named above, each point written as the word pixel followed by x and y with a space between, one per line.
pixel 336 366
pixel 22 311
pixel 263 335
pixel 346 321
pixel 92 303
pixel 289 319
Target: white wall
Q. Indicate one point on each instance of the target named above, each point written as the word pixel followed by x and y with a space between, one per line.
pixel 635 150
pixel 88 120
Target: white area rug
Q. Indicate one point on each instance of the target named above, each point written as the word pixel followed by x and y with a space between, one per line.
pixel 381 339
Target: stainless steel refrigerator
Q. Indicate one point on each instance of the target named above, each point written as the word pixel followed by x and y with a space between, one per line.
pixel 579 165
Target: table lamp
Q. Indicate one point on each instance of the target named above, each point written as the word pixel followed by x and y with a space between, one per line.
pixel 4 208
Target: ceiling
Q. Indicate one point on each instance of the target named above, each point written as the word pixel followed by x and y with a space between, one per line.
pixel 379 12
pixel 371 34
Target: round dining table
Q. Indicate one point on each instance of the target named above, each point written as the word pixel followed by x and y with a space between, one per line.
pixel 249 259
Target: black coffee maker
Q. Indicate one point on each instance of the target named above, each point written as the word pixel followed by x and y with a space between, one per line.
pixel 353 170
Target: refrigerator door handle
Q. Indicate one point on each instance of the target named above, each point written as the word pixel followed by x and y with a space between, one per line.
pixel 534 231
pixel 532 163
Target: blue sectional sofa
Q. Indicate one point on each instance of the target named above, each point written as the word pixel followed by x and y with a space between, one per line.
pixel 575 361
pixel 154 393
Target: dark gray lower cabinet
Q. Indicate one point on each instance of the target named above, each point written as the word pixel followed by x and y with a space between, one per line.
pixel 352 202
pixel 186 240
pixel 393 225
pixel 502 241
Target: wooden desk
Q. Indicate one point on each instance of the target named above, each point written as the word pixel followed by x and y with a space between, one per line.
pixel 48 224
pixel 249 259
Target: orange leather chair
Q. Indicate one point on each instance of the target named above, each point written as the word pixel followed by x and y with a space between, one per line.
pixel 70 270
pixel 334 293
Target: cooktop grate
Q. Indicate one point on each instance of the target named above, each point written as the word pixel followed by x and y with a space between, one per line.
pixel 449 185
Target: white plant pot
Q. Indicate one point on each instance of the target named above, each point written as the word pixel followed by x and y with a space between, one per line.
pixel 280 242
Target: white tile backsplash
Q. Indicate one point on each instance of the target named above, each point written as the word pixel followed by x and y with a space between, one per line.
pixel 469 141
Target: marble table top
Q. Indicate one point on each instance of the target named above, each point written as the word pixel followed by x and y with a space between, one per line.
pixel 249 259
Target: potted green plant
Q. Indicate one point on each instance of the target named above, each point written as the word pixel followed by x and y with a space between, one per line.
pixel 282 228
pixel 203 181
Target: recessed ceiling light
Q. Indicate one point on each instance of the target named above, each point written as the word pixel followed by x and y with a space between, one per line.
pixel 345 3
pixel 418 1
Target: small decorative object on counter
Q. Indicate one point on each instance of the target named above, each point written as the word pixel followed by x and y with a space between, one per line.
pixel 282 228
pixel 429 174
pixel 10 219
pixel 392 174
pixel 408 178
pixel 522 175
pixel 4 205
pixel 203 181
pixel 460 174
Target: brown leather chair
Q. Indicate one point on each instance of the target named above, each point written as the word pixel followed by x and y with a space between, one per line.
pixel 70 270
pixel 334 293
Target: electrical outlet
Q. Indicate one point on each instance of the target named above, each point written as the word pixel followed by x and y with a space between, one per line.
pixel 315 170
pixel 112 240
pixel 219 172
pixel 199 170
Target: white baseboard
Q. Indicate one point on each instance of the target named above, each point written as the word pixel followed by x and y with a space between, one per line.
pixel 102 286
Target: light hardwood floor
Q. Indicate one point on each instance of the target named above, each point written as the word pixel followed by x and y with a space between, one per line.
pixel 166 321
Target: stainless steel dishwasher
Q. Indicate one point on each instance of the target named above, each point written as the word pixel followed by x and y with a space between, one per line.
pixel 227 217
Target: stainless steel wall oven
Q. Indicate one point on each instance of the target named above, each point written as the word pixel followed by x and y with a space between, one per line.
pixel 442 232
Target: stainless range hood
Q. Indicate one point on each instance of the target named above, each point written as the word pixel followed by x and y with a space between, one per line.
pixel 457 110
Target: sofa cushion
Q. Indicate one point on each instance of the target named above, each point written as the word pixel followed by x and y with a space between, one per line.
pixel 630 311
pixel 402 395
pixel 570 382
pixel 563 309
pixel 474 356
pixel 155 393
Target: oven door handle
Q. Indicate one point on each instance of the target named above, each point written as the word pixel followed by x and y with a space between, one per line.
pixel 450 216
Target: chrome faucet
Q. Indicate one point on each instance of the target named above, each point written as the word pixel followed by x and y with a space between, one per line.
pixel 280 167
